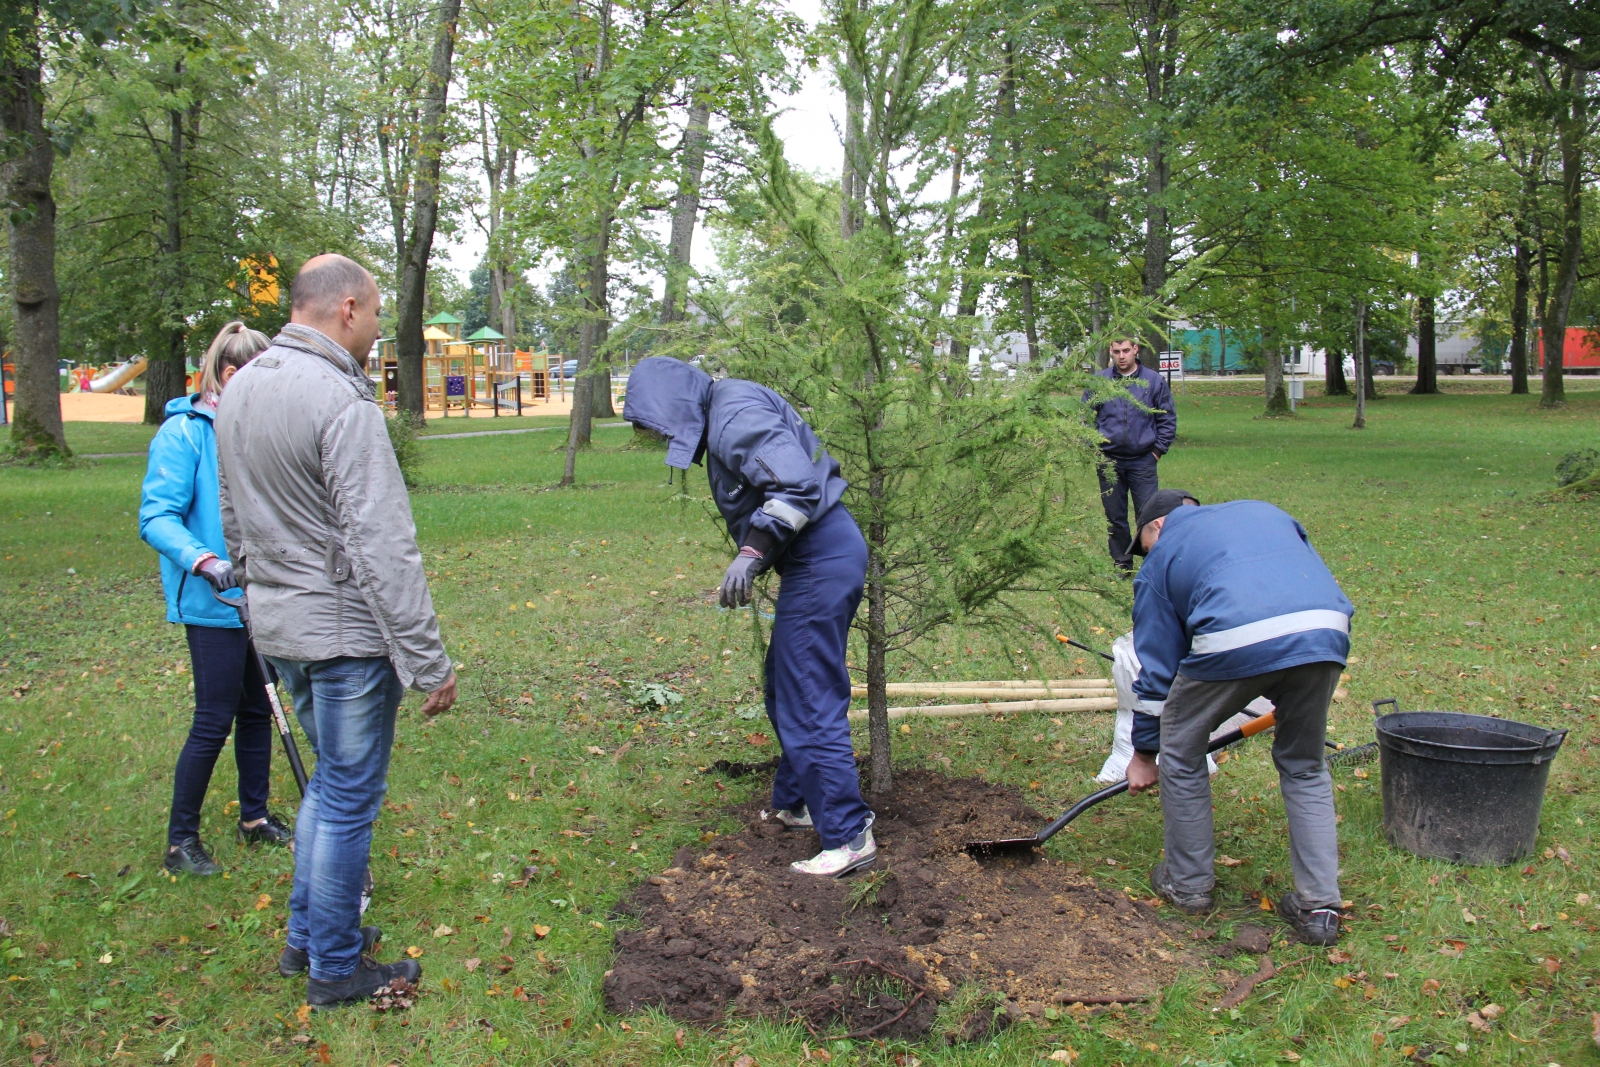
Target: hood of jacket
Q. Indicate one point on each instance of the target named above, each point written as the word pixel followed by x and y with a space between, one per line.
pixel 185 405
pixel 674 399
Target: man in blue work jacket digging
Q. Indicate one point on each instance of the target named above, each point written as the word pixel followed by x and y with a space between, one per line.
pixel 1233 603
pixel 778 491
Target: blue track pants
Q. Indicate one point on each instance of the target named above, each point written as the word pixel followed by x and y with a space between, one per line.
pixel 807 683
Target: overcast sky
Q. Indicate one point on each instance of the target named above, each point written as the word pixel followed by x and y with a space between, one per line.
pixel 806 123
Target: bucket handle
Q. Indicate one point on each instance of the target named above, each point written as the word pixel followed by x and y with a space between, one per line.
pixel 1552 745
pixel 1391 701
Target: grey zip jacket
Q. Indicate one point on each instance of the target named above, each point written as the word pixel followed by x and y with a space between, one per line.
pixel 315 510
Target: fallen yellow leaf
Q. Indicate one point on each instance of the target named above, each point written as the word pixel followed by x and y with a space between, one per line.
pixel 541 932
pixel 264 901
pixel 442 931
pixel 414 951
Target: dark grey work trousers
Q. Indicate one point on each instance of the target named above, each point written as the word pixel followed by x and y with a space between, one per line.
pixel 1193 709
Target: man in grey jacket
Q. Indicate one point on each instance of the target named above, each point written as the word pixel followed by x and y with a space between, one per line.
pixel 316 514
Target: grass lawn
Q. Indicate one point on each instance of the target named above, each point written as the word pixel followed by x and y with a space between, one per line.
pixel 1474 592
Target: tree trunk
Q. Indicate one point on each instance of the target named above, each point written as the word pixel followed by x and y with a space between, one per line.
pixel 1522 268
pixel 166 376
pixel 852 176
pixel 494 167
pixel 686 211
pixel 878 734
pixel 36 430
pixel 1272 361
pixel 972 282
pixel 409 345
pixel 1362 367
pixel 580 429
pixel 1333 383
pixel 1570 132
pixel 1030 326
pixel 1427 348
pixel 1158 49
pixel 508 286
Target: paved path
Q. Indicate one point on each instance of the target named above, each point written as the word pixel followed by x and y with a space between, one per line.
pixel 422 437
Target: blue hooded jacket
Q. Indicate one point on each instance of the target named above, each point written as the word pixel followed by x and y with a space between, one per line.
pixel 180 514
pixel 1129 432
pixel 1230 591
pixel 770 476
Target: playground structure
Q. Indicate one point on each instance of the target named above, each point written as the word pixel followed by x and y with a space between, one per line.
pixel 481 374
pixel 110 381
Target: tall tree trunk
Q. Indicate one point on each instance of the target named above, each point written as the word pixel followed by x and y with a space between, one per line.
pixel 1019 181
pixel 166 376
pixel 1427 348
pixel 686 211
pixel 853 175
pixel 1362 367
pixel 409 345
pixel 1272 361
pixel 508 274
pixel 1571 130
pixel 494 163
pixel 1333 383
pixel 977 259
pixel 36 430
pixel 591 336
pixel 1158 48
pixel 878 735
pixel 1522 269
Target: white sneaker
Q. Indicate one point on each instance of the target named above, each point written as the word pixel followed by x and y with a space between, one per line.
pixel 838 862
pixel 796 819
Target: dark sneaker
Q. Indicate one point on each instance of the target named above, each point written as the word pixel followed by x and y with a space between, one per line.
pixel 1188 903
pixel 295 960
pixel 189 856
pixel 1314 926
pixel 272 832
pixel 369 977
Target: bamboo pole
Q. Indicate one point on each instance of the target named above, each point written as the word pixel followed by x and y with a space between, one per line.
pixel 990 693
pixel 955 711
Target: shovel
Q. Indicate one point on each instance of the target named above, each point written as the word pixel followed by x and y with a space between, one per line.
pixel 1016 846
pixel 270 679
pixel 1065 640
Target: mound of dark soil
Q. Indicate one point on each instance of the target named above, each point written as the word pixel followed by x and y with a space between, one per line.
pixel 734 931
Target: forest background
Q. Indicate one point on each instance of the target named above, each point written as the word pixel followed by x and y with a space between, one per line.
pixel 1338 175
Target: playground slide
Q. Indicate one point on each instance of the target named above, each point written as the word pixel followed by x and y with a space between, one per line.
pixel 118 376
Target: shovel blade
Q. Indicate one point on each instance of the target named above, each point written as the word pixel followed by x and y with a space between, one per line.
pixel 1005 846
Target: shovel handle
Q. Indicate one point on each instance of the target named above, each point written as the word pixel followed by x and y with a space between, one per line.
pixel 1064 639
pixel 269 679
pixel 1249 729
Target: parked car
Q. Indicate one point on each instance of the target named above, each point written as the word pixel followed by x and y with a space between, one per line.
pixel 1383 366
pixel 569 369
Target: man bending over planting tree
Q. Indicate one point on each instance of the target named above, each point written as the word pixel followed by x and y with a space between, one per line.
pixel 316 513
pixel 778 490
pixel 1233 603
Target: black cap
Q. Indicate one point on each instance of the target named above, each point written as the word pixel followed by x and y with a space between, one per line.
pixel 1162 502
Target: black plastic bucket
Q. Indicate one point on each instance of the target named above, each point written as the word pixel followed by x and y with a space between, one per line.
pixel 1463 788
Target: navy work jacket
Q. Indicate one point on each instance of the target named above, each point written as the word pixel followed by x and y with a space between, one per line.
pixel 1130 433
pixel 770 476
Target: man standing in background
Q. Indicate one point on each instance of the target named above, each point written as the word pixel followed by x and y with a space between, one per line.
pixel 1135 440
pixel 316 513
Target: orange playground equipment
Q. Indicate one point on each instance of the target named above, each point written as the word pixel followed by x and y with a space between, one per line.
pixel 481 374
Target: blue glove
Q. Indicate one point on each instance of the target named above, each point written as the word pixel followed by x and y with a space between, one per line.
pixel 740 578
pixel 219 572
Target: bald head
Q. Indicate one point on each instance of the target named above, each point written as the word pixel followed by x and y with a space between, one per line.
pixel 337 296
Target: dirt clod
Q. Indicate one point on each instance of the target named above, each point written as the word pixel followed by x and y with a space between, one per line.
pixel 734 931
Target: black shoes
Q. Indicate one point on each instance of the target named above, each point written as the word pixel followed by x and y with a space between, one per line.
pixel 272 832
pixel 1188 903
pixel 295 960
pixel 189 856
pixel 369 977
pixel 1314 926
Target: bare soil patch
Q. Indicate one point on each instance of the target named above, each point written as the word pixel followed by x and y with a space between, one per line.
pixel 733 931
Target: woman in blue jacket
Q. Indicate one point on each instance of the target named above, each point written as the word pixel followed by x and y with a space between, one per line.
pixel 180 517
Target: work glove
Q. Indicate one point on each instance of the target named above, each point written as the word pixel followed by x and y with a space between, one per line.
pixel 740 578
pixel 219 572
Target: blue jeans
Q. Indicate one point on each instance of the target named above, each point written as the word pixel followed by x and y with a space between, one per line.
pixel 807 682
pixel 347 708
pixel 229 695
pixel 1118 479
